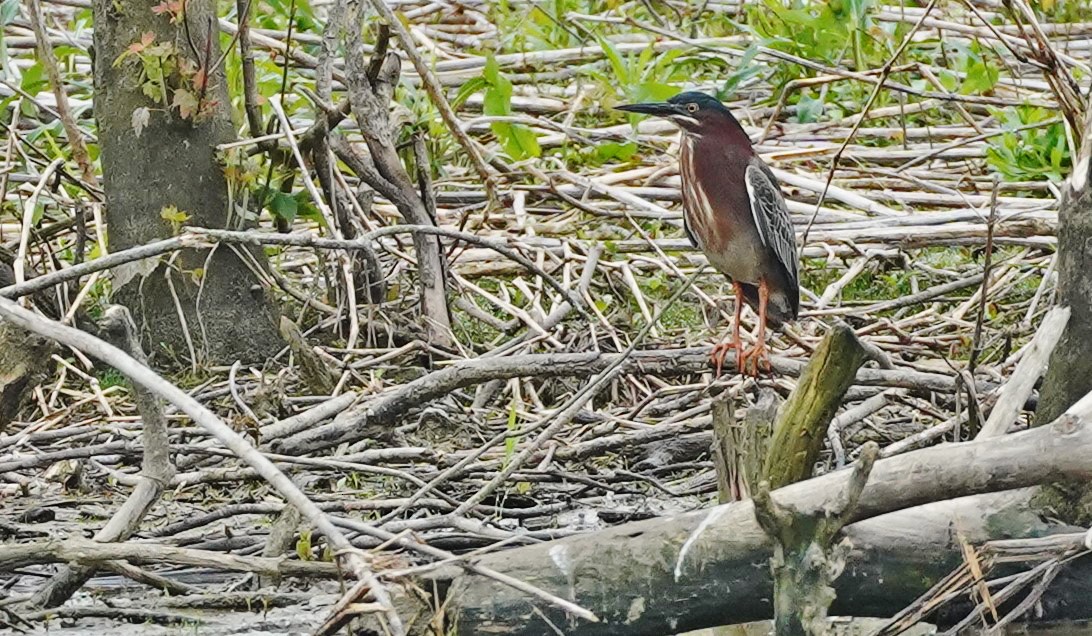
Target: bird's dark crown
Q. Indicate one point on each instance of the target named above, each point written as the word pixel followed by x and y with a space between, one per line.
pixel 692 111
pixel 701 100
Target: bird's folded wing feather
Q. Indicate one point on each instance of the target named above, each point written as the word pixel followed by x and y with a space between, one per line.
pixel 772 217
pixel 689 232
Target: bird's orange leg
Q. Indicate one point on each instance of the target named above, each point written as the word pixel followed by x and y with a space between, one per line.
pixel 758 356
pixel 720 350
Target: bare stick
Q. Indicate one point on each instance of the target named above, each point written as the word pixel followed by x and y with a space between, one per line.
pixel 48 59
pixel 155 474
pixel 350 558
pixel 437 95
pixel 1020 385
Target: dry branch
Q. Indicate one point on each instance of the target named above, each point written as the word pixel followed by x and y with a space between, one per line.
pixel 689 560
pixel 139 374
pixel 157 468
pixel 371 87
pixel 90 553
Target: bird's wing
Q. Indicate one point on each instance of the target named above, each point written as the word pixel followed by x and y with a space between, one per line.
pixel 772 217
pixel 689 232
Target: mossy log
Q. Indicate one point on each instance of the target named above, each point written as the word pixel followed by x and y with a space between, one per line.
pixel 803 419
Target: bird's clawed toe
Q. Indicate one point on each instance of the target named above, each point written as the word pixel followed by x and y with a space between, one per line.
pixel 755 360
pixel 720 352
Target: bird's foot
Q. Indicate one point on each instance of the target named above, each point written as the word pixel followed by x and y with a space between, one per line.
pixel 720 353
pixel 755 360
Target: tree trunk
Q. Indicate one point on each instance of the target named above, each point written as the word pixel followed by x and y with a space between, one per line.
pixel 158 133
pixel 24 357
pixel 1069 371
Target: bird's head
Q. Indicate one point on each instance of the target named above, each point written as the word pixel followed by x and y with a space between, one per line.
pixel 694 112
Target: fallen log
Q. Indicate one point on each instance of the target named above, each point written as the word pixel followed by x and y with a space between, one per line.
pixel 708 568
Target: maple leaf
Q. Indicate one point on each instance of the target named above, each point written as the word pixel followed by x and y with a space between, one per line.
pixel 173 7
pixel 185 102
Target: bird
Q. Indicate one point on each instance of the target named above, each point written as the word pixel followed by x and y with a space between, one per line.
pixel 734 212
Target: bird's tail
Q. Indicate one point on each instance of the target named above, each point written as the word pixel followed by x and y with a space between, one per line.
pixel 780 308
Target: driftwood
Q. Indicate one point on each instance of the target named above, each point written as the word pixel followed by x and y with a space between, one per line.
pixel 704 568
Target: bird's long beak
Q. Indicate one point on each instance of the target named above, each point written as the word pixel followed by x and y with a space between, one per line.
pixel 657 109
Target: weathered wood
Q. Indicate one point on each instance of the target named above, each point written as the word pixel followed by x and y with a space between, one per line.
pixel 739 448
pixel 313 371
pixel 705 568
pixel 729 478
pixel 1069 372
pixel 156 470
pixel 806 558
pixel 803 419
pixel 1016 391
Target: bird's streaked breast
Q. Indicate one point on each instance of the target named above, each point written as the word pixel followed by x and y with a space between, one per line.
pixel 697 207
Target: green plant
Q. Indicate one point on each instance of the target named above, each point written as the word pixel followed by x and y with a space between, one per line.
pixel 643 76
pixel 168 79
pixel 821 31
pixel 1035 146
pixel 980 73
pixel 518 140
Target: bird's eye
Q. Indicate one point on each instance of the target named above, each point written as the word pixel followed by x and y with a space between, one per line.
pixel 693 108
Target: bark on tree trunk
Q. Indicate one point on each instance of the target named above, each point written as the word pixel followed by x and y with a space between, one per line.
pixel 1069 372
pixel 159 124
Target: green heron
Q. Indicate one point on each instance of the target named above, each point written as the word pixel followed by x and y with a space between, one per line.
pixel 734 212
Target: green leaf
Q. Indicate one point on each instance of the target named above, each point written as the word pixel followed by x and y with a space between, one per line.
pixel 491 73
pixel 303 546
pixel 621 73
pixel 497 101
pixel 34 79
pixel 744 71
pixel 173 215
pixel 523 144
pixel 613 150
pixel 653 92
pixel 283 206
pixel 981 77
pixel 949 81
pixel 808 109
pixel 518 141
pixel 466 90
pixel 9 10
